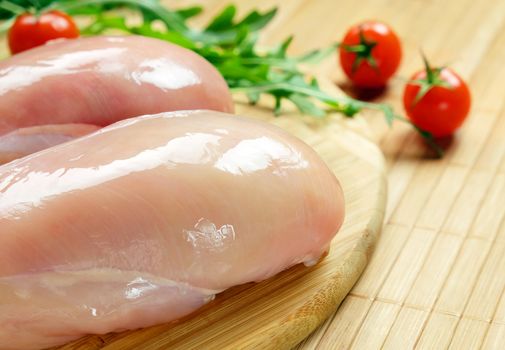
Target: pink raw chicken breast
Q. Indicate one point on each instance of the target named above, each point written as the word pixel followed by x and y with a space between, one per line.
pixel 144 221
pixel 98 81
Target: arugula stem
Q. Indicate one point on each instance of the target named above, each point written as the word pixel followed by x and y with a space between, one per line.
pixel 341 103
pixel 270 61
pixel 292 88
pixel 12 7
pixel 171 19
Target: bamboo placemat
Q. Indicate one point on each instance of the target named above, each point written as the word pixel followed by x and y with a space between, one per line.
pixel 437 277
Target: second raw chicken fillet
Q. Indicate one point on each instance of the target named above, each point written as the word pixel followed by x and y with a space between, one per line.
pixel 53 93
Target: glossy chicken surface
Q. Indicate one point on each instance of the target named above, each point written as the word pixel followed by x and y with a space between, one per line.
pixel 24 141
pixel 99 81
pixel 145 220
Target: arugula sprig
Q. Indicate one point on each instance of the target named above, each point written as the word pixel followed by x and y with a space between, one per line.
pixel 230 44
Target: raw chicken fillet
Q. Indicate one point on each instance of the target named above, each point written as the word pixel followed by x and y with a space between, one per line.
pixel 116 231
pixel 52 92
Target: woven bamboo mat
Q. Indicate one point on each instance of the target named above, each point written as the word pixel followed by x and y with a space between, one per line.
pixel 437 277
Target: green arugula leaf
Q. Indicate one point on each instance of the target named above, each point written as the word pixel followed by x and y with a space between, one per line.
pixel 171 19
pixel 281 50
pixel 224 20
pixel 256 21
pixel 104 23
pixel 173 37
pixel 190 12
pixel 11 7
pixel 247 43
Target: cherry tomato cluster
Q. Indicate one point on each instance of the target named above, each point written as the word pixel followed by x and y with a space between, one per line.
pixel 436 100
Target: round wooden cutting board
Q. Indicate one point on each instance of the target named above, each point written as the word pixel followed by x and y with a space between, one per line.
pixel 280 312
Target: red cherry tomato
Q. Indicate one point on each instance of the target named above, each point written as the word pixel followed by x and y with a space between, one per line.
pixel 437 102
pixel 370 54
pixel 30 30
